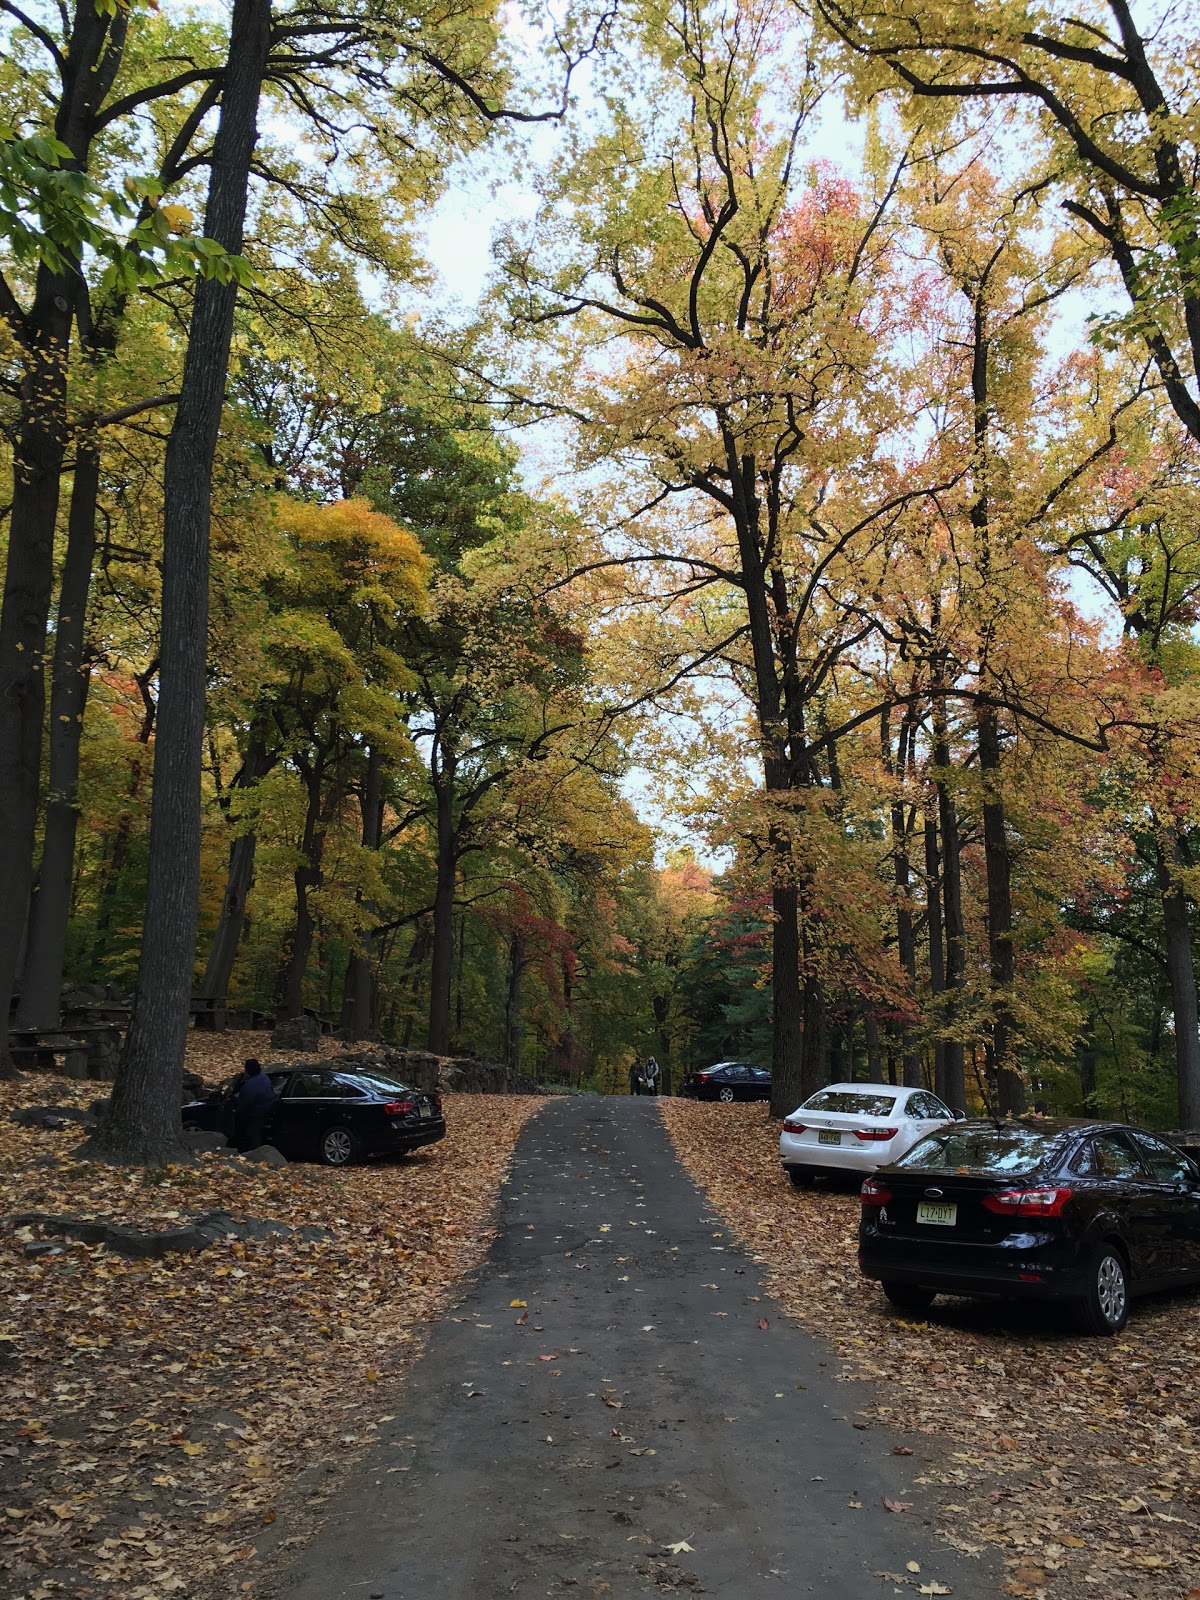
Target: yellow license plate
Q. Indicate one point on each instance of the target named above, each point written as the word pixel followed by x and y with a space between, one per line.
pixel 828 1136
pixel 942 1216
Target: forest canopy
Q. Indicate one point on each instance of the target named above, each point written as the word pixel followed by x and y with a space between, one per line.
pixel 763 627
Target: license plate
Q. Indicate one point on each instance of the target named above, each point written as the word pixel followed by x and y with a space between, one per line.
pixel 828 1136
pixel 942 1216
pixel 426 1110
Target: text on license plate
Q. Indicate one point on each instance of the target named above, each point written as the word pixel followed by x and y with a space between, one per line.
pixel 828 1136
pixel 945 1216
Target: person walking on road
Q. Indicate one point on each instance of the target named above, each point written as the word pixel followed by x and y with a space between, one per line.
pixel 254 1099
pixel 650 1073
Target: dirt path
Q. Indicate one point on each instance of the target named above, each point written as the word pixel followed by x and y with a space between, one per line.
pixel 634 1401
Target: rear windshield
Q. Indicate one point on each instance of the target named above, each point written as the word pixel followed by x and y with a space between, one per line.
pixel 857 1105
pixel 378 1080
pixel 982 1150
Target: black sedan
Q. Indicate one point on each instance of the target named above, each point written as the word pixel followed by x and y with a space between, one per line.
pixel 729 1080
pixel 1087 1214
pixel 331 1116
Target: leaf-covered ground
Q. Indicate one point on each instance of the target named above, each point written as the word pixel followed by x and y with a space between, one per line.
pixel 161 1422
pixel 1077 1457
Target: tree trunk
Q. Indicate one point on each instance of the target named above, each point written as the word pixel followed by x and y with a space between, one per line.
pixel 1010 1086
pixel 874 1052
pixel 218 969
pixel 816 1038
pixel 307 876
pixel 789 1045
pixel 956 1094
pixel 442 963
pixel 1180 971
pixel 937 958
pixel 512 1004
pixel 50 906
pixel 142 1122
pixel 358 999
pixel 42 338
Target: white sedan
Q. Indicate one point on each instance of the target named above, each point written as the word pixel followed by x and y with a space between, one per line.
pixel 856 1127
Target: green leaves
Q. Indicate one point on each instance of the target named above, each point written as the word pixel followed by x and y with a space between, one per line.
pixel 55 215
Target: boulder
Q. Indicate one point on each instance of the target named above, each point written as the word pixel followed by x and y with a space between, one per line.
pixel 264 1155
pixel 296 1033
pixel 52 1117
pixel 205 1141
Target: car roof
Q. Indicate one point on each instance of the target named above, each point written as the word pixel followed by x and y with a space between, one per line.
pixel 856 1088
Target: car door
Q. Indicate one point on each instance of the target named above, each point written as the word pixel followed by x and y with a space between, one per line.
pixel 760 1083
pixel 1124 1181
pixel 297 1116
pixel 1177 1190
pixel 741 1081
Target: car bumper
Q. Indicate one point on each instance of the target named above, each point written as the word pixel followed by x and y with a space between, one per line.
pixel 861 1156
pixel 1025 1264
pixel 411 1137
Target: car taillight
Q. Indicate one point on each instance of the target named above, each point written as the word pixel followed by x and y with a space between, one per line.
pixel 793 1127
pixel 399 1108
pixel 1028 1202
pixel 877 1135
pixel 437 1103
pixel 702 1077
pixel 874 1194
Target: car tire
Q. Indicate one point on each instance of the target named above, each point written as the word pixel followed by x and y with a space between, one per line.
pixel 908 1297
pixel 725 1095
pixel 801 1177
pixel 1105 1307
pixel 339 1147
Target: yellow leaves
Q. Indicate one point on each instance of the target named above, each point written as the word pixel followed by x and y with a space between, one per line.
pixel 516 1305
pixel 179 218
pixel 192 1449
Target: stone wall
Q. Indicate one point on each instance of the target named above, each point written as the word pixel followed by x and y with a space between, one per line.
pixel 434 1074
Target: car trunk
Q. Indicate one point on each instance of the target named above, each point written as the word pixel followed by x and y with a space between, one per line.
pixel 933 1205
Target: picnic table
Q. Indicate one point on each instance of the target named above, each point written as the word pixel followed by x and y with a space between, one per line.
pixel 80 1044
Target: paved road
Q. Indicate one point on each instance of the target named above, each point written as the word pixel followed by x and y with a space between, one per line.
pixel 633 1404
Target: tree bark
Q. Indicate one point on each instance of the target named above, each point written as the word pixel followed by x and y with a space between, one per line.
pixel 442 958
pixel 512 1003
pixel 218 969
pixel 306 877
pixel 1010 1085
pixel 937 955
pixel 142 1121
pixel 359 990
pixel 50 905
pixel 1181 973
pixel 906 942
pixel 956 1096
pixel 43 337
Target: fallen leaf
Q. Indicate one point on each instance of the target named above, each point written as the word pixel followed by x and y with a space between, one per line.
pixel 896 1505
pixel 680 1549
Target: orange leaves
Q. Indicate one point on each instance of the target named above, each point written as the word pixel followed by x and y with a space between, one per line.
pixel 155 1411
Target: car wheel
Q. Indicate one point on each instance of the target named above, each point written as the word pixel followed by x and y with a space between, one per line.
pixel 1105 1308
pixel 192 1127
pixel 910 1297
pixel 726 1095
pixel 339 1147
pixel 801 1177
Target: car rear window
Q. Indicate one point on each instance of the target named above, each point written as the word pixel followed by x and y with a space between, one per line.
pixel 380 1080
pixel 983 1150
pixel 856 1105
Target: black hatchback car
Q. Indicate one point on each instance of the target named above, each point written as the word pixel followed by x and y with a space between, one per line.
pixel 728 1080
pixel 1084 1213
pixel 336 1117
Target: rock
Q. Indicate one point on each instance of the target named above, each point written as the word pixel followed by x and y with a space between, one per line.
pixel 264 1155
pixel 55 1117
pixel 205 1141
pixel 136 1244
pixel 296 1033
pixel 81 996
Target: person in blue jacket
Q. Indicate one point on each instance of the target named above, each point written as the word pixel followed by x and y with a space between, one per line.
pixel 254 1099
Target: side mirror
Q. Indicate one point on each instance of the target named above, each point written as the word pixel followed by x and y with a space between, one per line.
pixel 960 1116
